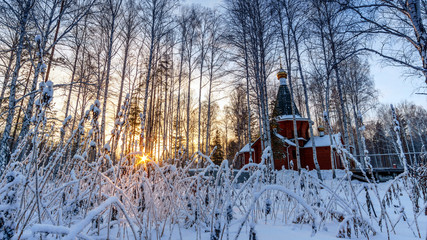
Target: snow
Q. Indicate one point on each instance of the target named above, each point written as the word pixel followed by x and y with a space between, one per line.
pixel 47 92
pixel 324 141
pixel 76 229
pixel 279 231
pixel 290 117
pixel 246 149
pixel 107 147
pixel 285 140
pixel 266 154
pixel 293 195
pixel 66 120
pixel 38 38
pixel 47 228
pixel 283 210
pixel 78 157
pixel 43 67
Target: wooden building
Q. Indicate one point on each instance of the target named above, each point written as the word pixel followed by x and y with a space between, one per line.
pixel 283 138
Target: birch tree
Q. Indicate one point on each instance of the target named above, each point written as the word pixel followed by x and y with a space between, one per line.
pixel 297 22
pixel 288 51
pixel 240 40
pixel 216 59
pixel 46 17
pixel 130 25
pixel 336 29
pixel 8 44
pixel 79 34
pixel 157 20
pixel 202 42
pixel 361 94
pixel 111 21
pixel 22 15
pixel 400 26
pixel 193 31
pixel 259 44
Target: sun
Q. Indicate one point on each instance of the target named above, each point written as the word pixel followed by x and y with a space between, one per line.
pixel 141 159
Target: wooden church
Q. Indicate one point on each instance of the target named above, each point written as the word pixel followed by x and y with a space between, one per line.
pixel 283 138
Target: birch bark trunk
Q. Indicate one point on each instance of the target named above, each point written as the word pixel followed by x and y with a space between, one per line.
pixel 5 146
pixel 310 124
pixel 114 14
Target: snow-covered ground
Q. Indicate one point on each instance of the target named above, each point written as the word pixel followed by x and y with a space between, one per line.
pixel 277 228
pixel 168 203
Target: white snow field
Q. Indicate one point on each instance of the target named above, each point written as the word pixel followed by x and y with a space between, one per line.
pixel 91 202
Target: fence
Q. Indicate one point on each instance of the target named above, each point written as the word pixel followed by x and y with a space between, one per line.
pixel 391 160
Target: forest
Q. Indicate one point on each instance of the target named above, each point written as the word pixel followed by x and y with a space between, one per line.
pixel 123 119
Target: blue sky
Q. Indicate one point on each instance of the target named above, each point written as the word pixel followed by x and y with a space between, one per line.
pixel 394 86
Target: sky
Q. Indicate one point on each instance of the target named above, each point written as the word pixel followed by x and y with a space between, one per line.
pixel 391 82
pixel 206 3
pixel 394 86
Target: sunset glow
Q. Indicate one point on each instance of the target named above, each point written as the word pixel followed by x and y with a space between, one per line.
pixel 141 159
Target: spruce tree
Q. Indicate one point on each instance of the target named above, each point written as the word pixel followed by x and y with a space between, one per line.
pixel 218 155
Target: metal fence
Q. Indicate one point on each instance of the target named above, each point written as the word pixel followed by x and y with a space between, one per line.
pixel 391 160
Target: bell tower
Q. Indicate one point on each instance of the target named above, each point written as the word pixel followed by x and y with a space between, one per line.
pixel 282 112
pixel 283 106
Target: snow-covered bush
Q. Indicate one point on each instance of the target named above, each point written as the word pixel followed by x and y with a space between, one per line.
pixel 10 201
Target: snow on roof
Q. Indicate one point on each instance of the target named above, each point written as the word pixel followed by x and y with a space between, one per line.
pixel 279 136
pixel 290 143
pixel 246 149
pixel 299 138
pixel 290 117
pixel 324 141
pixel 284 139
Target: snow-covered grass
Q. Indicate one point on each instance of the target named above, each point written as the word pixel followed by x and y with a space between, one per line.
pixel 152 202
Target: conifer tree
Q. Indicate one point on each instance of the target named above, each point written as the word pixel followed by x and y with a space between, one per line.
pixel 218 155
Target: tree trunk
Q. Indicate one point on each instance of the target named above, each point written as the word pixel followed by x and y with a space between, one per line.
pixel 310 124
pixel 7 75
pixel 107 77
pixel 147 80
pixel 71 86
pixel 4 149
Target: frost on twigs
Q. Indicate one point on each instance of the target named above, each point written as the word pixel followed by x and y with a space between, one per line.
pixel 38 39
pixel 46 88
pixel 355 227
pixel 9 203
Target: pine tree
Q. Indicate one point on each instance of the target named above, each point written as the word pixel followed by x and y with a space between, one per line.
pixel 218 155
pixel 134 122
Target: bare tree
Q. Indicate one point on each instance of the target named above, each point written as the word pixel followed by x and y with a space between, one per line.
pixel 46 23
pixel 239 40
pixel 111 21
pixel 23 16
pixel 260 36
pixel 202 42
pixel 297 23
pixel 215 61
pixel 130 25
pixel 288 49
pixel 157 19
pixel 403 22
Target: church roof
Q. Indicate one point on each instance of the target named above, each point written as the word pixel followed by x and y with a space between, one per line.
pixel 324 141
pixel 290 117
pixel 246 149
pixel 285 140
pixel 284 103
